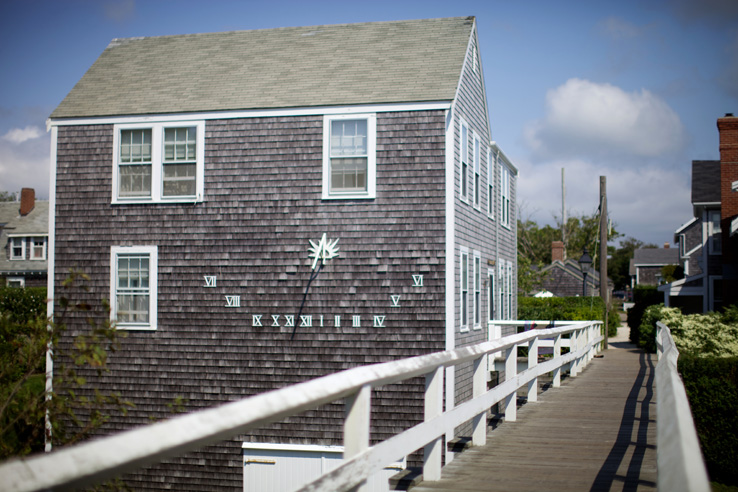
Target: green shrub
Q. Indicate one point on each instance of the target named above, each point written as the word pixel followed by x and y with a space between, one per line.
pixel 566 308
pixel 643 297
pixel 712 389
pixel 23 304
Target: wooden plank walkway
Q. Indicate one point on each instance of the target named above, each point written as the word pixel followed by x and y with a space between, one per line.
pixel 596 432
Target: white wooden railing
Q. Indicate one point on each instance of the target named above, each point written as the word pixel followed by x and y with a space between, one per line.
pixel 108 457
pixel 679 461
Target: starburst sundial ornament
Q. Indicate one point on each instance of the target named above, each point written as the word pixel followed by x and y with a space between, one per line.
pixel 323 251
pixel 320 252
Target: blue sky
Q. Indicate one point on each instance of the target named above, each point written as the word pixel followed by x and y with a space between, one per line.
pixel 630 90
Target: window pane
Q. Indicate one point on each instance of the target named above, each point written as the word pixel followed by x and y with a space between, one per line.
pixel 179 179
pixel 135 180
pixel 133 289
pixel 180 144
pixel 135 146
pixel 348 174
pixel 348 137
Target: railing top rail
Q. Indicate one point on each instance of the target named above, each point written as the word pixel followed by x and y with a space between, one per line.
pixel 556 322
pixel 680 463
pixel 92 461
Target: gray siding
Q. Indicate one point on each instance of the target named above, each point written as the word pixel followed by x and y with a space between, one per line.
pixel 262 205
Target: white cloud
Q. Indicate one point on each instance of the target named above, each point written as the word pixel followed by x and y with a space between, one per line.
pixel 20 135
pixel 24 161
pixel 587 119
pixel 646 202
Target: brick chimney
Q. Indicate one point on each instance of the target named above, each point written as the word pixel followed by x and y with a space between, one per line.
pixel 28 200
pixel 557 251
pixel 667 245
pixel 728 129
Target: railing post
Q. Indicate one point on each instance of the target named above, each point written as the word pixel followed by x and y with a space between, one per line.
pixel 479 387
pixel 511 372
pixel 573 346
pixel 433 451
pixel 532 362
pixel 356 427
pixel 556 355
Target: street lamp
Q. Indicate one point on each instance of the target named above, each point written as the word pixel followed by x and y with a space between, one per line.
pixel 584 263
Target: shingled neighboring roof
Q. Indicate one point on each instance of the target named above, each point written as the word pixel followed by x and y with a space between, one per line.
pixel 705 181
pixel 656 256
pixel 379 62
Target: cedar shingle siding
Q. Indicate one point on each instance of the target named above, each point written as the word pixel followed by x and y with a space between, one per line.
pixel 262 205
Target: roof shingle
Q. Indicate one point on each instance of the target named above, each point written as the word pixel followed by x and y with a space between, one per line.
pixel 367 63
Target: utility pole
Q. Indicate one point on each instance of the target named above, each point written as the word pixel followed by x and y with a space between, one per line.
pixel 604 293
pixel 563 211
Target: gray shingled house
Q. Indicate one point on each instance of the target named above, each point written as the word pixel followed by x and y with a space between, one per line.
pixel 24 232
pixel 192 173
pixel 647 264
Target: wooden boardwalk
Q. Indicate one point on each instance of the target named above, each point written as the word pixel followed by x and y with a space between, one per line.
pixel 596 432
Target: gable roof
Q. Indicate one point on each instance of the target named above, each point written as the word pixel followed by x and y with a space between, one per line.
pixel 35 223
pixel 656 256
pixel 346 64
pixel 705 181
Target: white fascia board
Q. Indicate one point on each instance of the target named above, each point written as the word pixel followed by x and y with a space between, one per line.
pixel 733 226
pixel 685 225
pixel 28 234
pixel 257 113
pixel 506 159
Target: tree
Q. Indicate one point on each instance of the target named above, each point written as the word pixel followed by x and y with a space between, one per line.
pixel 8 196
pixel 25 335
pixel 618 265
pixel 534 245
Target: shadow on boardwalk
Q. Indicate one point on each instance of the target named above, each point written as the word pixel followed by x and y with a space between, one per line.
pixel 596 432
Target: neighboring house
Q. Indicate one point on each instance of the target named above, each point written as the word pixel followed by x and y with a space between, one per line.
pixel 708 242
pixel 564 277
pixel 24 233
pixel 191 173
pixel 647 264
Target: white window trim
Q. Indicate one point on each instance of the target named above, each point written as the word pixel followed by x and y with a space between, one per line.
pixel 477 170
pixel 491 183
pixel 463 258
pixel 371 171
pixel 505 207
pixel 152 251
pixel 20 280
pixel 463 173
pixel 715 244
pixel 510 293
pixel 491 294
pixel 477 291
pixel 23 248
pixel 157 152
pixel 43 251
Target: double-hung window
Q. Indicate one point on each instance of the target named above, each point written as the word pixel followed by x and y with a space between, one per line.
pixel 490 185
pixel 715 232
pixel 349 156
pixel 133 286
pixel 477 177
pixel 38 248
pixel 490 294
pixel 504 195
pixel 17 248
pixel 464 161
pixel 477 302
pixel 464 300
pixel 159 162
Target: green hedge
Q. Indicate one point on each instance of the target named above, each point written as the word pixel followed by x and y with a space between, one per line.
pixel 643 297
pixel 23 304
pixel 567 308
pixel 712 390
